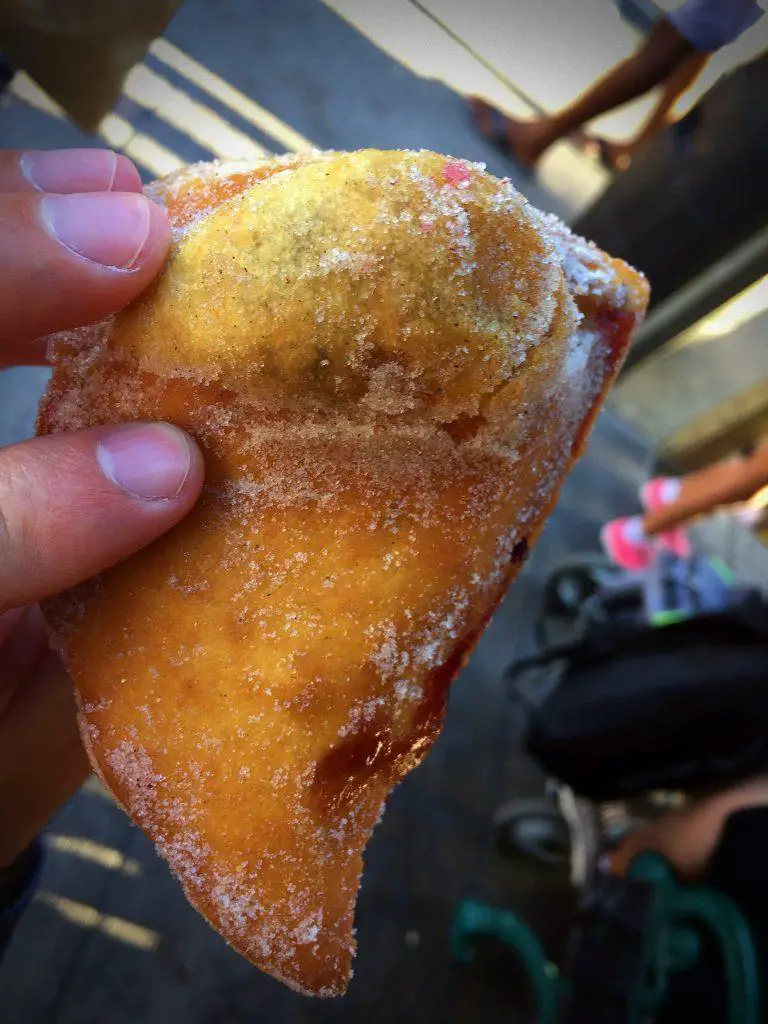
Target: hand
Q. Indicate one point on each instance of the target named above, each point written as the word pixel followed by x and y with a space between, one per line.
pixel 77 241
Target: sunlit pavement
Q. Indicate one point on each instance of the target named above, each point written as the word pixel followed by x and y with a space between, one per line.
pixel 110 938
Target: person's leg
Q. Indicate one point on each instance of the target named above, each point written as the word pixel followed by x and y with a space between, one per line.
pixel 726 483
pixel 618 155
pixel 659 57
pixel 672 503
pixel 688 837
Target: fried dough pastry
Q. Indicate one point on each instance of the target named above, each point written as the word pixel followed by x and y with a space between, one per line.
pixel 390 361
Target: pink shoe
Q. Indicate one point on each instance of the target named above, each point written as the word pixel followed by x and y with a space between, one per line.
pixel 675 541
pixel 624 543
pixel 656 493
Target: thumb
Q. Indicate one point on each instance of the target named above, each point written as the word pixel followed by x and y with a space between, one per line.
pixel 74 504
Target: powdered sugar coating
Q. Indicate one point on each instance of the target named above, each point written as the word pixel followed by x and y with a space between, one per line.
pixel 387 398
pixel 482 285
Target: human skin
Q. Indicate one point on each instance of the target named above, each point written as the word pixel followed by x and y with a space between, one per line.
pixel 77 241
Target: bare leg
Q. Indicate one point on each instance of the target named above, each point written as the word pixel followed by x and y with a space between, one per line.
pixel 658 58
pixel 687 838
pixel 724 484
pixel 619 154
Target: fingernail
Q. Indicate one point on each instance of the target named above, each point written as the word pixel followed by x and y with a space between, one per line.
pixel 70 170
pixel 109 228
pixel 150 461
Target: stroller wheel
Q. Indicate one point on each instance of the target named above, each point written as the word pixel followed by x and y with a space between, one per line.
pixel 530 682
pixel 573 582
pixel 566 598
pixel 534 830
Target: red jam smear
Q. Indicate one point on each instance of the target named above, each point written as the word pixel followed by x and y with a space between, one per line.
pixel 344 773
pixel 455 172
pixel 615 327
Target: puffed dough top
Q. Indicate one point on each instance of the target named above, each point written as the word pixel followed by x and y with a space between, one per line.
pixel 401 282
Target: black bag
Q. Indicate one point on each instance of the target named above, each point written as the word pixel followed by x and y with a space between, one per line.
pixel 679 707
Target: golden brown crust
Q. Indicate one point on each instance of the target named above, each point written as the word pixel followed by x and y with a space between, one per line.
pixel 389 373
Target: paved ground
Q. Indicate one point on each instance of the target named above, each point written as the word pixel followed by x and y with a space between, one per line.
pixel 714 362
pixel 110 938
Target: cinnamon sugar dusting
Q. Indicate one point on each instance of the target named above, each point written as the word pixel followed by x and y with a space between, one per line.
pixel 389 361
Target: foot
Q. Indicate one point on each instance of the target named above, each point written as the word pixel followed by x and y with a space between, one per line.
pixel 660 491
pixel 625 543
pixel 677 541
pixel 656 494
pixel 614 156
pixel 524 141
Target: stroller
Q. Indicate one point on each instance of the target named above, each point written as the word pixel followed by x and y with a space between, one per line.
pixel 645 687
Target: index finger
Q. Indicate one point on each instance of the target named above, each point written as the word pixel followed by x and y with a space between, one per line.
pixel 68 260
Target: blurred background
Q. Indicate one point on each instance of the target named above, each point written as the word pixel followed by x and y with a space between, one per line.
pixel 109 936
